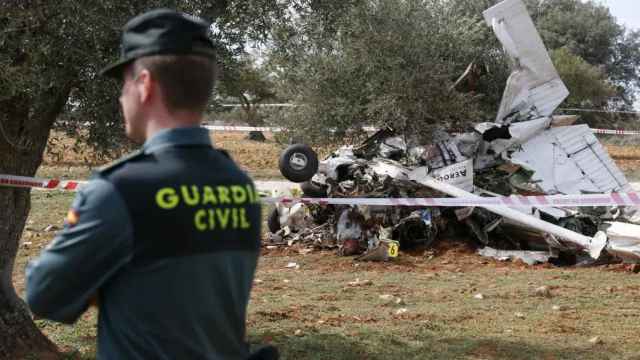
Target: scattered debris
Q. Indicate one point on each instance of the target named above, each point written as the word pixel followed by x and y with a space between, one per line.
pixel 528 257
pixel 624 240
pixel 527 151
pixel 559 307
pixel 387 298
pixel 519 315
pixel 596 340
pixel 379 253
pixel 401 311
pixel 51 228
pixel 293 265
pixel 543 291
pixel 358 282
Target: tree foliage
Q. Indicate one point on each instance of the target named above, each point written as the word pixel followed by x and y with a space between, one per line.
pixel 393 61
pixel 249 84
pixel 379 62
pixel 588 30
pixel 588 85
pixel 54 50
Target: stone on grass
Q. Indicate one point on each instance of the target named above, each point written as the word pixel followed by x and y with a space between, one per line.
pixel 401 311
pixel 543 291
pixel 595 340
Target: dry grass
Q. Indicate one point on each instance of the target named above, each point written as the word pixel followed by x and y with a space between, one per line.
pixel 443 320
pixel 260 159
pixel 313 312
pixel 624 152
pixel 627 158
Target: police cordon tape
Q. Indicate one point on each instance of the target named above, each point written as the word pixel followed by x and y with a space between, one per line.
pixel 31 182
pixel 371 129
pixel 583 200
pixel 260 128
pixel 241 128
pixel 589 200
pixel 616 132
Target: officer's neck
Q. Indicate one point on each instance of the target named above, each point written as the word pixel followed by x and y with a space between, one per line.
pixel 174 120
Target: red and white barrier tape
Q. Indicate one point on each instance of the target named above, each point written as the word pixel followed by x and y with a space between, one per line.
pixel 616 132
pixel 261 128
pixel 371 129
pixel 613 199
pixel 29 182
pixel 241 128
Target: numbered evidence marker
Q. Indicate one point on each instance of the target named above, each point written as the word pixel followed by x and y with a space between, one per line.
pixel 393 247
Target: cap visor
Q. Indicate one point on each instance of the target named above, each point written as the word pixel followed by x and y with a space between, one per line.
pixel 115 70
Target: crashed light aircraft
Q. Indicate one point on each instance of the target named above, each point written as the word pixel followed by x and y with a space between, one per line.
pixel 526 151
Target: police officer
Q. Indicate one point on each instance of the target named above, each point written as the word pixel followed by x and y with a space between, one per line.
pixel 166 240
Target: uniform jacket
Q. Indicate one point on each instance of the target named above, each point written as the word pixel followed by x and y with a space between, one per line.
pixel 168 241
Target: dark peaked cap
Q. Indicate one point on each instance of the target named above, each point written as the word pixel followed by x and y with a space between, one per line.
pixel 161 32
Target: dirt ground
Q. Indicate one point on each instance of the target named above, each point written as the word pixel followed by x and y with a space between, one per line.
pixel 441 303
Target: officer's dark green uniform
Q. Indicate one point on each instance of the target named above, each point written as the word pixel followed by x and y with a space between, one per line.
pixel 168 239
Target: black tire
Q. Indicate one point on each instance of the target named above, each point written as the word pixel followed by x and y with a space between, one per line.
pixel 298 163
pixel 313 190
pixel 273 221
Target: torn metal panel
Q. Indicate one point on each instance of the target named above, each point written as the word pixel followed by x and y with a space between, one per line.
pixel 570 160
pixel 393 147
pixel 624 241
pixel 535 86
pixel 383 167
pixel 528 257
pixel 341 158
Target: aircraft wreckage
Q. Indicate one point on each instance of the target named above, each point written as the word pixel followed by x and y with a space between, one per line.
pixel 526 151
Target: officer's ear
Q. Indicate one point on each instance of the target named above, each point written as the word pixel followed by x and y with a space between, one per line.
pixel 146 85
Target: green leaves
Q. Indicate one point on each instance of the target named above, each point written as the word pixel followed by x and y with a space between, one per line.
pixel 383 62
pixel 49 47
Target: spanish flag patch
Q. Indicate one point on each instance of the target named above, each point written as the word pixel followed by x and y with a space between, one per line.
pixel 72 217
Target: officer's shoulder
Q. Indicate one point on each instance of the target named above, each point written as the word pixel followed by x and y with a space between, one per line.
pixel 109 168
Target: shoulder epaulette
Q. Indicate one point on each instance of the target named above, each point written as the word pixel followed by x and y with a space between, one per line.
pixel 116 164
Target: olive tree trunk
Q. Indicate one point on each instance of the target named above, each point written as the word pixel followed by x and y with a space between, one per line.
pixel 24 131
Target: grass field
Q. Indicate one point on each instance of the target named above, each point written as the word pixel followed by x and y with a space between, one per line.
pixel 423 305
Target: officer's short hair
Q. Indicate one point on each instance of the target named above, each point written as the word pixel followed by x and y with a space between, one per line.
pixel 186 81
